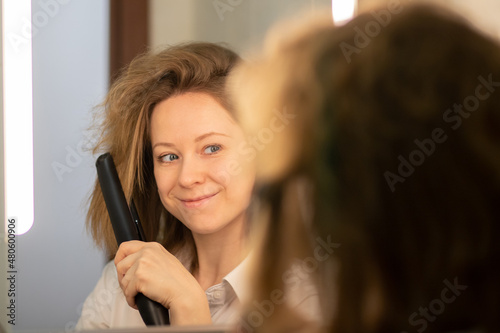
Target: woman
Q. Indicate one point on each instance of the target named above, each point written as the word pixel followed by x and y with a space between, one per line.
pixel 396 138
pixel 167 123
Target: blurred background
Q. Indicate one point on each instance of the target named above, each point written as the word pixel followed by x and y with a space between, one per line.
pixel 78 47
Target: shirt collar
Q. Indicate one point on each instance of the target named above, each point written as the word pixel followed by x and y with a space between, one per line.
pixel 238 278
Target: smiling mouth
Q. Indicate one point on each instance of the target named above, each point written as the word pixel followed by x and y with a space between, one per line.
pixel 197 202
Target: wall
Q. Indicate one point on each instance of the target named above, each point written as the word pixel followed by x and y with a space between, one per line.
pixel 240 23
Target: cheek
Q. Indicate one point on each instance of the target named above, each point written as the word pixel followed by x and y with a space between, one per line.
pixel 235 175
pixel 165 181
pixel 219 173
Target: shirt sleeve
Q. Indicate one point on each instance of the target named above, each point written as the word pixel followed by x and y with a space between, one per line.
pixel 96 312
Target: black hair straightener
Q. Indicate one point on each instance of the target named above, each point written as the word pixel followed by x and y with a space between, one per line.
pixel 126 226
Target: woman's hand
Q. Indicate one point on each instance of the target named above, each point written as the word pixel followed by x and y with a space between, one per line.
pixel 149 269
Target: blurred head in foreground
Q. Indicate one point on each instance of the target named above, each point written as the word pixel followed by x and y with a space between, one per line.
pixel 384 183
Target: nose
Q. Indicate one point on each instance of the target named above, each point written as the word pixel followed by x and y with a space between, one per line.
pixel 192 172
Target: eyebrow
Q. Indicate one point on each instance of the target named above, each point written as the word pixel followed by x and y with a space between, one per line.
pixel 198 139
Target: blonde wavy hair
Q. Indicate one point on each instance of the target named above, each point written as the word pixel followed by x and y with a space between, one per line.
pixel 123 121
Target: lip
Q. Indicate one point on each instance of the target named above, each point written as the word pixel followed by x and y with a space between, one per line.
pixel 198 201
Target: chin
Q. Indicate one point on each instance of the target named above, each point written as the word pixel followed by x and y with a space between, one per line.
pixel 210 223
pixel 204 229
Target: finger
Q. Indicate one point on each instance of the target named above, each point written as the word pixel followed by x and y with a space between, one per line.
pixel 124 265
pixel 127 285
pixel 131 289
pixel 125 274
pixel 127 248
pixel 131 299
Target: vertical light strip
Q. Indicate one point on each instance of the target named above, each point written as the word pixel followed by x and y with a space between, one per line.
pixel 18 112
pixel 343 10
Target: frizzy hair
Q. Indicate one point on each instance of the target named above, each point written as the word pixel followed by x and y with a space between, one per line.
pixel 123 124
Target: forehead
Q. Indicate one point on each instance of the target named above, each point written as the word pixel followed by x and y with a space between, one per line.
pixel 190 114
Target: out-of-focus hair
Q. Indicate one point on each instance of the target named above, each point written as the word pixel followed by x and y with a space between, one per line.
pixel 358 108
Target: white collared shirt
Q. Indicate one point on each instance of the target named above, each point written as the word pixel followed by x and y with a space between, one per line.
pixel 106 306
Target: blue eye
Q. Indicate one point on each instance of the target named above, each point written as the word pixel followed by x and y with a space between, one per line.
pixel 211 149
pixel 168 157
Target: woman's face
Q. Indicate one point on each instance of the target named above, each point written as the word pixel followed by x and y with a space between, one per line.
pixel 202 179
